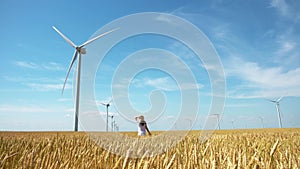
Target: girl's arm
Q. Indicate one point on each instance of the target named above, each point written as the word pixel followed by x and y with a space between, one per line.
pixel 147 129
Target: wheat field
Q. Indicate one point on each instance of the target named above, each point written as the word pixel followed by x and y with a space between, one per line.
pixel 257 148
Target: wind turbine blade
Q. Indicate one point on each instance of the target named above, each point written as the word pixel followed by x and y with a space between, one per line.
pixel 72 62
pixel 103 104
pixel 97 37
pixel 271 100
pixel 62 35
pixel 280 99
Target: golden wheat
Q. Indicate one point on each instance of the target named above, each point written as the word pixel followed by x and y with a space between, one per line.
pixel 268 148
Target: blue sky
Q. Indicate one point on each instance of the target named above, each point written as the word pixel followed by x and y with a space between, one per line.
pixel 257 42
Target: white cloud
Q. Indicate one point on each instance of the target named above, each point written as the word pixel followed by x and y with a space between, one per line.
pixel 171 117
pixel 281 5
pixel 9 108
pixel 263 82
pixel 52 66
pixel 29 65
pixel 47 87
pixel 64 99
pixel 165 83
pixel 167 19
pixel 288 48
pixel 40 83
pixel 68 115
pixel 287 9
pixel 70 110
pixel 22 79
pixel 250 78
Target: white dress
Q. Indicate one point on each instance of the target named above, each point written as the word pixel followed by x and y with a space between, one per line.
pixel 142 128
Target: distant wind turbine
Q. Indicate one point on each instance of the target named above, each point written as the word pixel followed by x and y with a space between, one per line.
pixel 113 125
pixel 106 105
pixel 79 50
pixel 278 109
pixel 262 121
pixel 116 127
pixel 232 122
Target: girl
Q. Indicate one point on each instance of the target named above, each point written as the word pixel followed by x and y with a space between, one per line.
pixel 142 126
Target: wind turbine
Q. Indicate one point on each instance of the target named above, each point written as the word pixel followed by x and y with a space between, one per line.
pixel 113 125
pixel 278 109
pixel 116 127
pixel 106 105
pixel 79 50
pixel 232 122
pixel 262 121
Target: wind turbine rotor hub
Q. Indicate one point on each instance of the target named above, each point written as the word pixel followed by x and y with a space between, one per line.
pixel 82 51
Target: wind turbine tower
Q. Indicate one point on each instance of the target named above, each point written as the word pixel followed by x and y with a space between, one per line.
pixel 278 109
pixel 112 122
pixel 106 105
pixel 262 121
pixel 79 50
